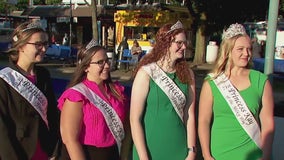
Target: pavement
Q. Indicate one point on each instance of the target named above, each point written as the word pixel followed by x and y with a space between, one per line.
pixel 60 70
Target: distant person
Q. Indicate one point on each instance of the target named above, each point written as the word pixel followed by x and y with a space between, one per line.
pixel 256 48
pixel 29 119
pixel 121 47
pixel 236 119
pixel 65 40
pixel 94 120
pixel 263 46
pixel 162 110
pixel 136 50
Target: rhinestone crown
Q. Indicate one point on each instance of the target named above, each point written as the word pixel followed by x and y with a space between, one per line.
pixel 177 25
pixel 233 30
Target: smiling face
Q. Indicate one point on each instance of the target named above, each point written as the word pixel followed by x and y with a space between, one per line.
pixel 99 67
pixel 241 52
pixel 178 46
pixel 35 48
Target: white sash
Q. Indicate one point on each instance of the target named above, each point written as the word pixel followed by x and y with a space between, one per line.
pixel 26 89
pixel 169 87
pixel 112 119
pixel 239 108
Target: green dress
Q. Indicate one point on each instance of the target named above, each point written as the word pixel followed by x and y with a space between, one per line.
pixel 228 138
pixel 165 133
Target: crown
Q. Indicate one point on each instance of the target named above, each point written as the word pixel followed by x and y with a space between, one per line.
pixel 177 25
pixel 33 25
pixel 233 30
pixel 91 44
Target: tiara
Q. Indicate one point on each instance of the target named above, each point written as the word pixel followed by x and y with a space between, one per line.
pixel 91 44
pixel 32 26
pixel 177 25
pixel 233 30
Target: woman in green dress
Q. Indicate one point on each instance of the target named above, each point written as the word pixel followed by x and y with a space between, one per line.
pixel 162 112
pixel 235 108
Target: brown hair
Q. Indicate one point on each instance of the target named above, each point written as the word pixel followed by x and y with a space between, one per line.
pixel 84 60
pixel 21 36
pixel 163 42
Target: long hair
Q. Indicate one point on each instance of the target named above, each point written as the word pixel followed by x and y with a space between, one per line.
pixel 21 37
pixel 224 60
pixel 84 60
pixel 159 51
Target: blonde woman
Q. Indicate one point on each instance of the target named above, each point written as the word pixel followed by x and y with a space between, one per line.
pixel 235 108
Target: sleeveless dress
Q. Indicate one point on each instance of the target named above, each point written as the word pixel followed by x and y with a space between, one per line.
pixel 165 133
pixel 228 138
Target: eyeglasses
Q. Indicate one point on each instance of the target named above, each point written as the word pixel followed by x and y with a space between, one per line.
pixel 180 43
pixel 40 45
pixel 101 63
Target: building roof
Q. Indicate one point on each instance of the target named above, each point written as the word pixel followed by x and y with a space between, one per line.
pixel 60 11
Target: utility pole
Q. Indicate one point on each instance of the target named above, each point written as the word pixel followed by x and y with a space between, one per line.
pixel 70 26
pixel 271 36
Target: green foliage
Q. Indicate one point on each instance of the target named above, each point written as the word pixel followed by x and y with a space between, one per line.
pixel 2 6
pixel 53 2
pixel 220 13
pixel 281 7
pixel 22 4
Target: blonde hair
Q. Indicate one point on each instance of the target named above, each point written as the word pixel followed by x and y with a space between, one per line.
pixel 224 60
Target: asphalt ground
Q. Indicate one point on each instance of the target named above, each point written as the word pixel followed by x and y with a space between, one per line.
pixel 63 70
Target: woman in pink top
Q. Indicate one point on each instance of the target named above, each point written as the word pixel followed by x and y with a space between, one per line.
pixel 85 131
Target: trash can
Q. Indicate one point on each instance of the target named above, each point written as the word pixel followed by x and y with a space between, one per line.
pixel 211 52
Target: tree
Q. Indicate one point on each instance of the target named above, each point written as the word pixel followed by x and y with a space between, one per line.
pixel 211 16
pixel 94 18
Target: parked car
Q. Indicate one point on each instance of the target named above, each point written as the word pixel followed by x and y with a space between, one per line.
pixel 5 38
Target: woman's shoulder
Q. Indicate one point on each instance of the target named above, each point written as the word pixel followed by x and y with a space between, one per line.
pixel 70 94
pixel 41 68
pixel 255 74
pixel 42 71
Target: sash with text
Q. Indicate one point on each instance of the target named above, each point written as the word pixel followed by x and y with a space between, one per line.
pixel 112 119
pixel 168 86
pixel 26 89
pixel 239 108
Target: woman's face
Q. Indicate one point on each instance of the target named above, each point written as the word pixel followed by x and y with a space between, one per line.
pixel 178 46
pixel 99 67
pixel 241 52
pixel 34 50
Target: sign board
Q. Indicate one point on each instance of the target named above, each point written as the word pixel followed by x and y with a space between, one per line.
pixel 62 19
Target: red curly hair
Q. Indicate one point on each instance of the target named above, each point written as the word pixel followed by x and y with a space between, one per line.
pixel 163 42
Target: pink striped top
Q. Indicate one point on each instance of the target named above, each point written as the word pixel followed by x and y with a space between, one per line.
pixel 94 129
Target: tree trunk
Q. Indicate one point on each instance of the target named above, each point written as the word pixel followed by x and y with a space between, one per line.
pixel 94 20
pixel 199 57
